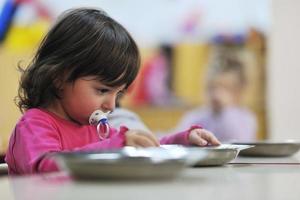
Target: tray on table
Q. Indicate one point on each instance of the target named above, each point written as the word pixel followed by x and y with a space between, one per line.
pixel 270 148
pixel 127 163
pixel 214 155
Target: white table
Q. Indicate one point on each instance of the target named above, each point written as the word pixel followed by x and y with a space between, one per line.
pixel 244 178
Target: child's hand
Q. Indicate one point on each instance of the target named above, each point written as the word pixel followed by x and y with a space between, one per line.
pixel 139 138
pixel 202 137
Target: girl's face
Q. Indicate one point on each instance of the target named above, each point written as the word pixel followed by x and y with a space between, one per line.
pixel 224 90
pixel 81 98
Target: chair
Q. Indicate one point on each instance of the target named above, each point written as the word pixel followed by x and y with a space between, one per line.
pixel 3 166
pixel 3 169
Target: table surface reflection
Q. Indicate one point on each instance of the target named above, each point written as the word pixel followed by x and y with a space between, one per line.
pixel 244 178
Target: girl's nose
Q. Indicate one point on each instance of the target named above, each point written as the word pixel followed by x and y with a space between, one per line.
pixel 109 103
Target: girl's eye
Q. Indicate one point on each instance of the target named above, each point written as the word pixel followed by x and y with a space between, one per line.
pixel 120 94
pixel 102 91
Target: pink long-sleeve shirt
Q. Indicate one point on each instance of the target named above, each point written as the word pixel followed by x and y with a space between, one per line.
pixel 39 133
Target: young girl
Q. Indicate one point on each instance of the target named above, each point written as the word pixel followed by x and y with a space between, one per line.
pixel 224 113
pixel 83 64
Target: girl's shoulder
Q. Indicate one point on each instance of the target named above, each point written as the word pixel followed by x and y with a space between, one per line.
pixel 197 111
pixel 35 113
pixel 240 111
pixel 38 114
pixel 35 119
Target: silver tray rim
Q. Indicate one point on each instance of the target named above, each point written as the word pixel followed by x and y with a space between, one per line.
pixel 269 142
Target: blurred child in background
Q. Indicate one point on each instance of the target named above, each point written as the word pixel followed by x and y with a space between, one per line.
pixel 223 113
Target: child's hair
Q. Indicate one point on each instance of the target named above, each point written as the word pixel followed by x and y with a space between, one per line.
pixel 84 42
pixel 227 63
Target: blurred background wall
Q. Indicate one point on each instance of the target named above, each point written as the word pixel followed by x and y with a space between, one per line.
pixel 283 70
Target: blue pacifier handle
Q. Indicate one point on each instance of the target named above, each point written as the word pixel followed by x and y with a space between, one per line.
pixel 99 119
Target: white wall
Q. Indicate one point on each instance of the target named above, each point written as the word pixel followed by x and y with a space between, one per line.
pixel 152 22
pixel 284 70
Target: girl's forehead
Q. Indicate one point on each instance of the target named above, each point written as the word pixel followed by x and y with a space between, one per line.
pixel 102 83
pixel 98 81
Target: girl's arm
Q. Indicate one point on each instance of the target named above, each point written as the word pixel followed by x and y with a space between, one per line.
pixel 178 138
pixel 34 141
pixel 47 164
pixel 194 136
pixel 116 140
pixel 28 145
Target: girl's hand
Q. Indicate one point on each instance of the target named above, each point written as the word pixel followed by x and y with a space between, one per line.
pixel 139 138
pixel 202 137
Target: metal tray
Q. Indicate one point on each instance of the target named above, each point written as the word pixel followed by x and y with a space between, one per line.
pixel 271 148
pixel 214 155
pixel 220 155
pixel 126 163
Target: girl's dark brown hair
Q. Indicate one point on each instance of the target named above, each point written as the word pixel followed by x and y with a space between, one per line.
pixel 228 63
pixel 84 42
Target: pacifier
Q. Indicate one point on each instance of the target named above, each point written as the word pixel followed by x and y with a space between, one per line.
pixel 99 119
